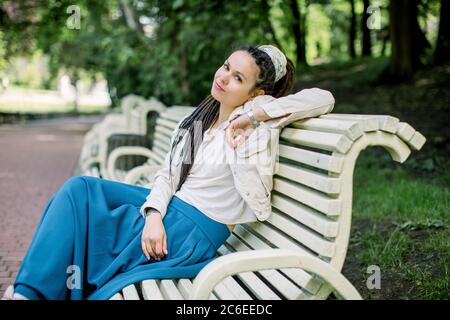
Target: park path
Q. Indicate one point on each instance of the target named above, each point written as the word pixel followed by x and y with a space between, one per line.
pixel 35 159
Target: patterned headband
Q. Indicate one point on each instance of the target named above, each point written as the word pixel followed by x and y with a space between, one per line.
pixel 278 59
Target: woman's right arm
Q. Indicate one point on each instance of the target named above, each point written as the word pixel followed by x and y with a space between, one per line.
pixel 163 186
pixel 154 241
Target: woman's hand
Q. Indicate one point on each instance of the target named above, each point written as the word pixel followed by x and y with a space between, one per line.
pixel 238 130
pixel 154 240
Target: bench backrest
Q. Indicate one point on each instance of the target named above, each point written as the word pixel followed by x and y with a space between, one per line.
pixel 312 196
pixel 165 126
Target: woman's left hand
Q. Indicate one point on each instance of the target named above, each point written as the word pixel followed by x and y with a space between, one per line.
pixel 238 130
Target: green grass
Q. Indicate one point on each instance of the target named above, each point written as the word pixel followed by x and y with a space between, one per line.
pixel 401 224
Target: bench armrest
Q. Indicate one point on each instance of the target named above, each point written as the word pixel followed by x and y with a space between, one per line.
pixel 135 174
pixel 125 151
pixel 256 260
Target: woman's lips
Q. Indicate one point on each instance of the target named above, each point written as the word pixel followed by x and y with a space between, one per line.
pixel 216 85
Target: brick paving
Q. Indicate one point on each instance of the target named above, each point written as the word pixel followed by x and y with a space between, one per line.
pixel 35 159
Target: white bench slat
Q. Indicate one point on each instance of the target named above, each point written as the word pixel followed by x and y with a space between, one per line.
pixel 405 131
pixel 169 124
pixel 311 158
pixel 159 154
pixel 310 178
pixel 229 289
pixel 162 137
pixel 164 130
pixel 182 109
pixel 310 218
pixel 298 276
pixel 169 290
pixel 306 237
pixel 318 140
pixel 130 293
pixel 185 288
pixel 385 122
pixel 117 296
pixel 311 198
pixel 175 116
pixel 150 290
pixel 417 141
pixel 250 280
pixel 368 124
pixel 275 278
pixel 161 145
pixel 351 129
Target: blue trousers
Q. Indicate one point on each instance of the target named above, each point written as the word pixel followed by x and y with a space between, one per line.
pixel 88 242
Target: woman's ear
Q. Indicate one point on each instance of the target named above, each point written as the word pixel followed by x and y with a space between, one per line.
pixel 256 93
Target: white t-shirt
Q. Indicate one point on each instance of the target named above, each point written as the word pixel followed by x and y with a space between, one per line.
pixel 210 186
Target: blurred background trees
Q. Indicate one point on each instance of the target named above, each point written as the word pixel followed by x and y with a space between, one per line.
pixel 170 49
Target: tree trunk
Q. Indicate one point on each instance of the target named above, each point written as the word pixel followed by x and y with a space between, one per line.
pixel 442 52
pixel 265 8
pixel 408 41
pixel 131 17
pixel 183 65
pixel 352 32
pixel 366 41
pixel 298 31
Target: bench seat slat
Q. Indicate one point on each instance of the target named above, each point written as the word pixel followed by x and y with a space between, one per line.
pixel 277 280
pixel 130 293
pixel 298 276
pixel 150 290
pixel 253 283
pixel 185 288
pixel 169 289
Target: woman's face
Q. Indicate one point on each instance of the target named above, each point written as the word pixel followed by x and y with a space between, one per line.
pixel 236 77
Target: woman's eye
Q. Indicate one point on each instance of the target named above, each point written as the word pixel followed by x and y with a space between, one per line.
pixel 237 77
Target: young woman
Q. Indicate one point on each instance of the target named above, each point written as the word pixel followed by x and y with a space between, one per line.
pixel 97 236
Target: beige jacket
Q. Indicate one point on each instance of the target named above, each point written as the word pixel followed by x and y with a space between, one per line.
pixel 253 163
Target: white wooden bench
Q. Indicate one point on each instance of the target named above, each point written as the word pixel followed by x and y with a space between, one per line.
pixel 133 121
pixel 299 252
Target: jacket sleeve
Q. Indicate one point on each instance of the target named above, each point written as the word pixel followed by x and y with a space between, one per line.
pixel 257 156
pixel 307 103
pixel 253 167
pixel 163 187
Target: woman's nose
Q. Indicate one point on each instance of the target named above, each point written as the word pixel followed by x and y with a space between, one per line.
pixel 223 80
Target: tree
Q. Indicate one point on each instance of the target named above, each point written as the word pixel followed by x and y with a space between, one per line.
pixel 298 29
pixel 366 41
pixel 442 51
pixel 352 31
pixel 407 39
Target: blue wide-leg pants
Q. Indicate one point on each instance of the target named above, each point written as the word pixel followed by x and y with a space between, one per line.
pixel 88 242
